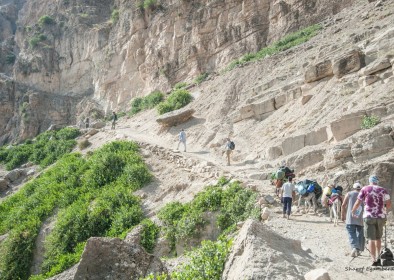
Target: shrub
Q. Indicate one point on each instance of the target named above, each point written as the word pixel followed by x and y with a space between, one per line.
pixel 46 20
pixel 85 208
pixel 201 78
pixel 149 4
pixel 232 204
pixel 369 121
pixel 148 102
pixel 10 58
pixel 283 44
pixel 177 99
pixel 149 234
pixel 180 85
pixel 115 16
pixel 84 144
pixel 33 42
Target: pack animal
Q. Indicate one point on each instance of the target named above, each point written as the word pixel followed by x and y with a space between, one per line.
pixel 335 203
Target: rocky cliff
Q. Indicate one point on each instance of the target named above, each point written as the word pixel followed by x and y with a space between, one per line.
pixel 94 56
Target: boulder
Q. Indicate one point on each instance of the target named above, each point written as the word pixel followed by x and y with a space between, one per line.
pixel 347 63
pixel 134 236
pixel 317 274
pixel 3 184
pixel 376 143
pixel 316 137
pixel 15 175
pixel 260 253
pixel 305 99
pixel 265 214
pixel 175 117
pixel 318 71
pixel 112 258
pixel 376 66
pixel 273 152
pixel 97 125
pixel 337 155
pixel 307 159
pixel 92 131
pixel 367 80
pixel 346 125
pixel 269 199
pixel 293 144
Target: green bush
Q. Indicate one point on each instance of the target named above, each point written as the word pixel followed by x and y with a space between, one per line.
pixel 84 144
pixel 148 102
pixel 149 235
pixel 369 121
pixel 149 4
pixel 46 149
pixel 206 262
pixel 115 16
pixel 201 78
pixel 180 85
pixel 99 206
pixel 10 58
pixel 177 99
pixel 37 38
pixel 46 20
pixel 232 204
pixel 283 44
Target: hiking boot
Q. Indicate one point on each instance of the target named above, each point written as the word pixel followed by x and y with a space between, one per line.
pixel 284 216
pixel 288 217
pixel 376 263
pixel 358 252
pixel 354 253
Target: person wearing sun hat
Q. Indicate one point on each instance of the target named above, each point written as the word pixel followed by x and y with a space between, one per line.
pixel 376 204
pixel 354 224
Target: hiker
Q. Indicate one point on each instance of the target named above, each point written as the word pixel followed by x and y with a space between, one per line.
pixel 287 196
pixel 114 119
pixel 228 149
pixel 87 122
pixel 375 199
pixel 182 139
pixel 354 225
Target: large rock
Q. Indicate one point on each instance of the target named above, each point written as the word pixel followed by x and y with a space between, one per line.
pixel 307 159
pixel 337 155
pixel 376 143
pixel 113 259
pixel 3 184
pixel 316 137
pixel 15 175
pixel 376 66
pixel 293 144
pixel 318 71
pixel 345 126
pixel 258 110
pixel 317 274
pixel 273 152
pixel 260 253
pixel 175 117
pixel 97 125
pixel 347 63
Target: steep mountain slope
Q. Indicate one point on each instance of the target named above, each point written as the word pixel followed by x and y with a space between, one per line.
pixel 94 56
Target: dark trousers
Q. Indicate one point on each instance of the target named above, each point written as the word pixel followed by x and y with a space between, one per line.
pixel 287 205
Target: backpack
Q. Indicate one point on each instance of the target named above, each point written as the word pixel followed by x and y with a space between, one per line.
pixel 339 190
pixel 280 174
pixel 115 117
pixel 232 145
pixel 301 188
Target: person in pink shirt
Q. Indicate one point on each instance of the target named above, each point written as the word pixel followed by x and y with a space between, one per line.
pixel 376 204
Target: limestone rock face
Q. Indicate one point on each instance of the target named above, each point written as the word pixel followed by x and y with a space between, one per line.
pixel 349 62
pixel 83 53
pixel 112 258
pixel 259 253
pixel 319 71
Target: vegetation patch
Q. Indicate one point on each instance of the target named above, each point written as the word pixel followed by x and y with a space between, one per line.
pixel 201 78
pixel 44 150
pixel 36 39
pixel 206 262
pixel 46 20
pixel 283 44
pixel 369 121
pixel 178 98
pixel 90 196
pixel 148 102
pixel 115 16
pixel 231 202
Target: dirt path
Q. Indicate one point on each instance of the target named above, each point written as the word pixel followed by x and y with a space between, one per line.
pixel 328 244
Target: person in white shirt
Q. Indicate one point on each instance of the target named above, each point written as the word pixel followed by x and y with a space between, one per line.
pixel 287 196
pixel 182 139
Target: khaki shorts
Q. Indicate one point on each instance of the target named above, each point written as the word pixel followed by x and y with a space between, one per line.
pixel 373 228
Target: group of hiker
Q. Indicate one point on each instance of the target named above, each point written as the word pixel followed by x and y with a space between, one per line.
pixel 229 145
pixel 363 209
